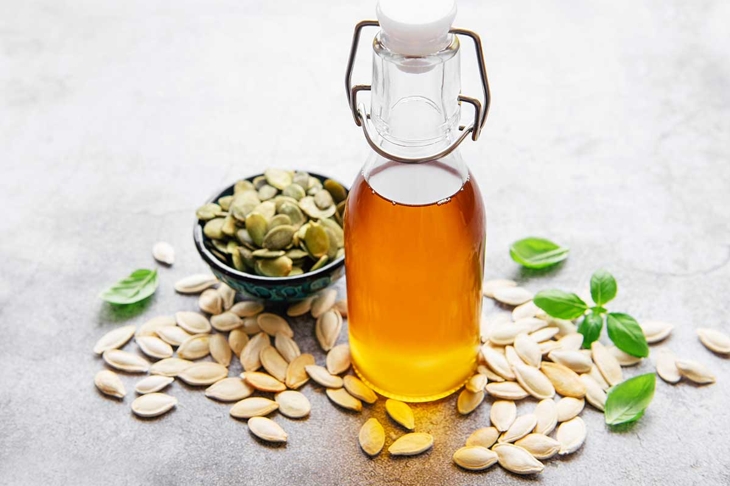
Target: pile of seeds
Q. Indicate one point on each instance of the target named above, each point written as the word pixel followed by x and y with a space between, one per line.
pixel 279 224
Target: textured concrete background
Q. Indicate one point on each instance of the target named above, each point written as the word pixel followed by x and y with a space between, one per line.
pixel 609 132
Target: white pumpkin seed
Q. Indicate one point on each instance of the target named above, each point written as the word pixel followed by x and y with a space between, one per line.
pixel 594 393
pixel 287 347
pixel 170 366
pixel 250 356
pixel 565 381
pixel 323 377
pixel 574 360
pixel 327 329
pixel 225 321
pixel 606 364
pixel 124 361
pixel 401 413
pixel 154 347
pixel 715 341
pixel 271 324
pixel 296 374
pixel 274 363
pixel 693 371
pixel 497 362
pixel 228 295
pixel 546 347
pixel 338 359
pixel 251 325
pixel 194 284
pixel 569 407
pixel 490 286
pixel 247 308
pixel 323 302
pixel 523 425
pixel 528 349
pixel 534 381
pixel 516 459
pixel 210 302
pixel 596 375
pixel 503 414
pixel 505 334
pixel 300 308
pixel 195 347
pixel 341 307
pixel 571 342
pixel 293 404
pixel 528 309
pixel 253 407
pixel 507 390
pixel 110 384
pixel 237 340
pixel 571 435
pixel 359 390
pixel 542 335
pixel 263 382
pixel 623 358
pixel 531 324
pixel 565 326
pixel 219 349
pixel 266 429
pixel 203 374
pixel 164 253
pixel 371 437
pixel 491 375
pixel 512 295
pixel 477 383
pixel 151 327
pixel 114 339
pixel 666 365
pixel 483 437
pixel 153 404
pixel 512 357
pixel 411 444
pixel 193 322
pixel 231 389
pixel 468 401
pixel 539 445
pixel 656 331
pixel 474 458
pixel 546 413
pixel 344 399
pixel 153 384
pixel 173 335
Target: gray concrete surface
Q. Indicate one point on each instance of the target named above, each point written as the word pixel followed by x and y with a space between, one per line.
pixel 609 132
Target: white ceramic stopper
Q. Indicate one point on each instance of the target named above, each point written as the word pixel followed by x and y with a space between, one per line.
pixel 416 27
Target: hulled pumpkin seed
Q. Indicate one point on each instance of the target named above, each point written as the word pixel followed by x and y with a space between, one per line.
pixel 516 459
pixel 338 359
pixel 715 341
pixel 193 322
pixel 109 384
pixel 656 331
pixel 154 347
pixel 170 366
pixel 294 191
pixel 323 377
pixel 250 356
pixel 474 458
pixel 503 414
pixel 231 389
pixel 153 384
pixel 195 284
pixel 273 362
pixel 401 413
pixel 316 240
pixel 153 404
pixel 569 407
pixel 213 229
pixel 278 178
pixel 196 347
pixel 256 225
pixel 483 437
pixel 253 407
pixel 279 237
pixel 507 390
pixel 310 208
pixel 359 390
pixel 203 374
pixel 208 211
pixel 293 404
pixel 666 366
pixel 571 435
pixel 523 425
pixel 323 199
pixel 287 347
pixel 539 446
pixel 237 340
pixel 114 339
pixel 692 370
pixel 411 444
pixel 344 399
pixel 124 361
pixel 267 192
pixel 546 413
pixel 371 437
pixel 490 286
pixel 296 373
pixel 219 349
pixel 266 253
pixel 274 267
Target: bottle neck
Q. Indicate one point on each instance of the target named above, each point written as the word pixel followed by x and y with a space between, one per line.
pixel 414 103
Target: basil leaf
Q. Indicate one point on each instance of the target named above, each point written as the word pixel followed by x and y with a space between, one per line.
pixel 590 327
pixel 626 334
pixel 138 286
pixel 537 253
pixel 562 305
pixel 627 401
pixel 603 287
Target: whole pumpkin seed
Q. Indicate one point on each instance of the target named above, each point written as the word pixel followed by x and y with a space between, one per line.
pixel 534 381
pixel 656 331
pixel 359 390
pixel 543 335
pixel 266 429
pixel 124 361
pixel 154 347
pixel 164 253
pixel 715 341
pixel 150 328
pixel 546 347
pixel 477 383
pixel 114 339
pixel 505 334
pixel 300 308
pixel 411 444
pixel 226 321
pixel 210 301
pixel 569 407
pixel 606 364
pixel 574 360
pixel 153 384
pixel 237 340
pixel 228 295
pixel 287 347
pixel 327 329
pixel 690 369
pixel 483 437
pixel 624 359
pixel 338 359
pixel 263 382
pixel 109 384
pixel 371 437
pixel 528 350
pixel 293 404
pixel 565 381
pixel 546 413
pixel 250 356
pixel 247 308
pixel 490 286
pixel 598 377
pixel 203 374
pixel 251 325
pixel 468 401
pixel 173 335
pixel 401 413
pixel 512 295
pixel 296 374
pixel 531 324
pixel 516 459
pixel 474 458
pixel 503 414
pixel 196 347
pixel 507 390
pixel 594 393
pixel 253 407
pixel 571 435
pixel 341 307
pixel 340 397
pixel 666 366
pixel 491 375
pixel 193 322
pixel 571 342
pixel 219 349
pixel 323 377
pixel 231 389
pixel 523 425
pixel 153 404
pixel 528 309
pixel 497 362
pixel 170 366
pixel 539 445
pixel 272 323
pixel 275 267
pixel 195 284
pixel 273 362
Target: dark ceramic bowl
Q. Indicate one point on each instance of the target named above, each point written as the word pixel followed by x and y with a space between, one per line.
pixel 276 289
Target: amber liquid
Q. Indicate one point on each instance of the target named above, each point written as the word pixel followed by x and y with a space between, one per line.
pixel 414 276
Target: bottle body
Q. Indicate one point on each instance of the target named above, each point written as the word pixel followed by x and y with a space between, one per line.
pixel 416 240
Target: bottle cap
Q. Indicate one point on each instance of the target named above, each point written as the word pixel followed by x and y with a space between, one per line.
pixel 416 27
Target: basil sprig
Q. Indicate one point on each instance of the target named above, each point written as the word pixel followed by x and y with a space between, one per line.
pixel 134 288
pixel 537 253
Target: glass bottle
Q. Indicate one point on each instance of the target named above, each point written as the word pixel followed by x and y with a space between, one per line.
pixel 415 222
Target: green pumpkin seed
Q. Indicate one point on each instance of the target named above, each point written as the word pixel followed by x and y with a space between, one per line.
pixel 274 267
pixel 242 186
pixel 297 254
pixel 332 251
pixel 221 246
pixel 225 202
pixel 279 220
pixel 238 262
pixel 280 199
pixel 317 241
pixel 336 190
pixel 208 211
pixel 320 263
pixel 266 253
pixel 243 236
pixel 256 225
pixel 311 209
pixel 301 179
pixel 258 182
pixel 232 247
pixel 213 229
pixel 336 229
pixel 243 204
pixel 229 226
pixel 295 214
pixel 279 238
pixel 340 253
pixel 294 191
pixel 313 185
pixel 323 199
pixel 267 209
pixel 267 192
pixel 278 178
pixel 247 257
pixel 296 271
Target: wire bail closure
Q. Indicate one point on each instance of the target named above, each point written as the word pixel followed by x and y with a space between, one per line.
pixel 362 118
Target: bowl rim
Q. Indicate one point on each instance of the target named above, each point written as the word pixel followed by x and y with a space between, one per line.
pixel 213 261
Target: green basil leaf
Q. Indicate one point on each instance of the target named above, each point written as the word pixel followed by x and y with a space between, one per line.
pixel 626 334
pixel 537 253
pixel 138 286
pixel 603 287
pixel 562 305
pixel 590 327
pixel 627 401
